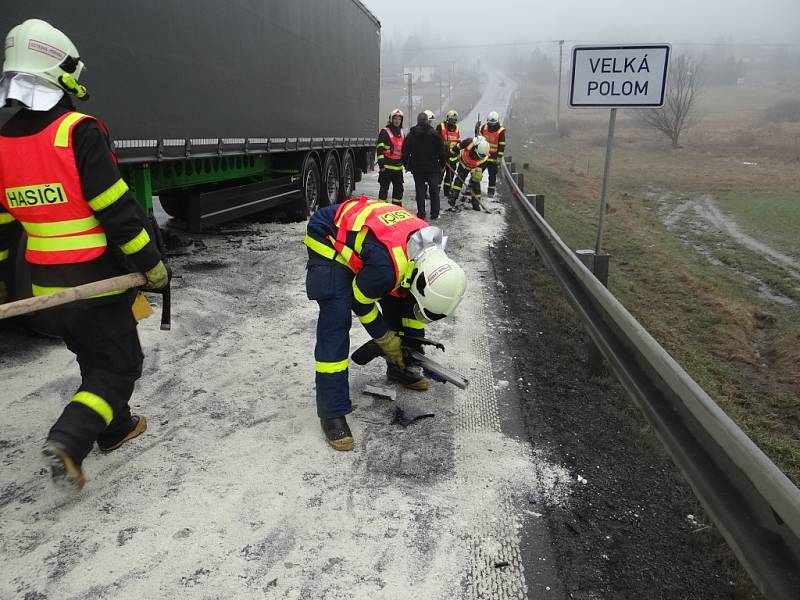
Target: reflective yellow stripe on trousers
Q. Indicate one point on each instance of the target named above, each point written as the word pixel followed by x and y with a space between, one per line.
pixel 332 367
pixel 96 403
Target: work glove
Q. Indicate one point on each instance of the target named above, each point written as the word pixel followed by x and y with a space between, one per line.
pixel 3 292
pixel 392 348
pixel 157 277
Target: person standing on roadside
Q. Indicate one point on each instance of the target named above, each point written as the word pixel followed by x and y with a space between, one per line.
pixel 425 156
pixel 389 150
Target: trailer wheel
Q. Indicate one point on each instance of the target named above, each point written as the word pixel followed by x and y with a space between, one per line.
pixel 174 204
pixel 331 180
pixel 309 200
pixel 348 176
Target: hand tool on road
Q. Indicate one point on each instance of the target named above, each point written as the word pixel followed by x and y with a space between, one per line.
pixel 411 344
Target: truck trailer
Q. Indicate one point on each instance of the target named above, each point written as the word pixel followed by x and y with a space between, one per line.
pixel 224 108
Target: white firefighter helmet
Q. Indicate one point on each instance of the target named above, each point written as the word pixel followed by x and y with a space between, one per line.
pixel 396 113
pixel 41 52
pixel 481 146
pixel 430 115
pixel 451 117
pixel 493 118
pixel 437 284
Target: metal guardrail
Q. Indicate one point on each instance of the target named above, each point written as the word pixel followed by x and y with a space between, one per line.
pixel 753 504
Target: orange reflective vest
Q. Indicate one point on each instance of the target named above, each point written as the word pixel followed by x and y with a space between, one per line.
pixel 493 137
pixel 448 137
pixel 390 225
pixel 467 160
pixel 41 188
pixel 396 151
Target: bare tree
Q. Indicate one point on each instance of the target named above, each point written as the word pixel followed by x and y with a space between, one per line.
pixel 682 91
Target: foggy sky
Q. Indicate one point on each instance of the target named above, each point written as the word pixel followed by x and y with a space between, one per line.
pixel 673 21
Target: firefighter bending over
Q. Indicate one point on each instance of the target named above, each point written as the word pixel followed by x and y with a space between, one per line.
pixel 473 154
pixel 362 254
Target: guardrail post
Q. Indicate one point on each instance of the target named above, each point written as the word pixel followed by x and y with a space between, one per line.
pixel 537 201
pixel 598 265
pixel 519 179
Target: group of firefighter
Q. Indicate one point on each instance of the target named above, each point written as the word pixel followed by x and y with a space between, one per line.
pixel 462 165
pixel 60 183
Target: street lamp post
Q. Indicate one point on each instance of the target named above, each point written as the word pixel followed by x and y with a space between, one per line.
pixel 410 108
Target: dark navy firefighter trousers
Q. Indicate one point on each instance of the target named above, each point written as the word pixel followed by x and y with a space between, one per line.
pixel 330 284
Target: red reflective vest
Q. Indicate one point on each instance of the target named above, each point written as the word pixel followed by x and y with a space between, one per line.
pixel 448 137
pixel 41 188
pixel 493 137
pixel 467 160
pixel 389 224
pixel 396 150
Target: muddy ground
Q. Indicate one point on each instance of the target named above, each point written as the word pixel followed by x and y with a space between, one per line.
pixel 633 530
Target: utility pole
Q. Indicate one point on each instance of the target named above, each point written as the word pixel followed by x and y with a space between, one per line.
pixel 409 97
pixel 558 101
pixel 440 95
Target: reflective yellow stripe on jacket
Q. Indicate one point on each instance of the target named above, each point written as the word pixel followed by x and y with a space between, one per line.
pixel 60 227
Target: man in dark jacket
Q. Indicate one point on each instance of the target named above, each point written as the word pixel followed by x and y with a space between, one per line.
pixel 425 156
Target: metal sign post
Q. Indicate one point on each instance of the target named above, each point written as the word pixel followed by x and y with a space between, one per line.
pixel 617 77
pixel 601 219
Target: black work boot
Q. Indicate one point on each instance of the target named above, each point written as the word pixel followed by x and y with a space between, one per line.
pixel 475 204
pixel 411 378
pixel 138 425
pixel 65 471
pixel 338 434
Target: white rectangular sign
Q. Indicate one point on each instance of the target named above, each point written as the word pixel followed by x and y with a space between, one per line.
pixel 619 76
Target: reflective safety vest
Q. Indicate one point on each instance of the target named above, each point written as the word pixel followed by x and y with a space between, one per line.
pixel 466 159
pixel 390 225
pixel 396 150
pixel 493 137
pixel 41 188
pixel 448 137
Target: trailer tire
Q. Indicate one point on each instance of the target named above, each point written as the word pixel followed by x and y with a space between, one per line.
pixel 348 184
pixel 174 204
pixel 310 186
pixel 331 180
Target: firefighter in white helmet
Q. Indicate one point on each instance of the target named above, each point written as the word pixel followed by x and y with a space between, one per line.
pixel 451 136
pixel 495 134
pixel 361 255
pixel 389 152
pixel 60 182
pixel 473 154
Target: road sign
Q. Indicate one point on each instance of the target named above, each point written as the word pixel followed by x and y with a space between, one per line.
pixel 619 76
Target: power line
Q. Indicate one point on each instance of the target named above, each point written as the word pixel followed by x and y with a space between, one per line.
pixel 600 42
